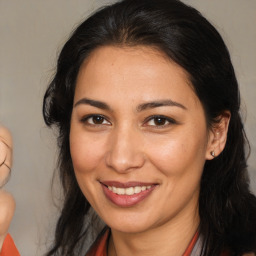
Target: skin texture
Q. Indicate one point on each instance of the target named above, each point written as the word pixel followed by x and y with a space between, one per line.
pixel 129 145
pixel 7 208
pixel 7 202
pixel 5 154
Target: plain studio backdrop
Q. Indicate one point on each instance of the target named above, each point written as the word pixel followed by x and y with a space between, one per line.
pixel 32 32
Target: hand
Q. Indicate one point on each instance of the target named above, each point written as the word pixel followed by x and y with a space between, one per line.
pixel 7 202
pixel 5 155
pixel 7 208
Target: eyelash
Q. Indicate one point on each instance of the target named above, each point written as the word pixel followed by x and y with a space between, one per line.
pixel 86 119
pixel 153 118
pixel 166 119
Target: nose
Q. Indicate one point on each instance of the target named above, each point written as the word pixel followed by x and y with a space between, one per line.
pixel 125 151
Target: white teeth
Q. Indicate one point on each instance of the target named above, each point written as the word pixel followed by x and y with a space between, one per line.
pixel 120 191
pixel 128 191
pixel 137 190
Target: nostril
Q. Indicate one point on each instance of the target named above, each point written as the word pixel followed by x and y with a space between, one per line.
pixel 124 162
pixel 125 152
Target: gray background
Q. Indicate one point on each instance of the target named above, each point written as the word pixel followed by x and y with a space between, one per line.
pixel 31 34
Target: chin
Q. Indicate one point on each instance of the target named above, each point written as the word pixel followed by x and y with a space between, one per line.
pixel 129 228
pixel 129 224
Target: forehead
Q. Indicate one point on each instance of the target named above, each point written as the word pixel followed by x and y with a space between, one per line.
pixel 137 59
pixel 141 72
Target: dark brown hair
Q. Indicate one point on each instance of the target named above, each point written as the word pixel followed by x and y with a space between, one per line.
pixel 226 206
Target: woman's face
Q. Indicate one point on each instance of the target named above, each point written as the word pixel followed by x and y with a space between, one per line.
pixel 138 138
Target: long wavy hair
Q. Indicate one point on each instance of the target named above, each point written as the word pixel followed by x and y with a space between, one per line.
pixel 227 208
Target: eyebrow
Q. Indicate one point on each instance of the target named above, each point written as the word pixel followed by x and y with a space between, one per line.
pixel 141 107
pixel 159 103
pixel 94 103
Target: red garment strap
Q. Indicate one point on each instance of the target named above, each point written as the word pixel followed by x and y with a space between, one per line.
pixel 9 248
pixel 191 245
pixel 100 248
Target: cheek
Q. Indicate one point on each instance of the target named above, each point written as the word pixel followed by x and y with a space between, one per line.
pixel 178 155
pixel 86 149
pixel 85 154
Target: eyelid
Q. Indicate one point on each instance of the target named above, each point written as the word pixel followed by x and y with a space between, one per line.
pixel 170 121
pixel 85 119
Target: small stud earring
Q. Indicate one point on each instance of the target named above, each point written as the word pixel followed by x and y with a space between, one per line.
pixel 212 153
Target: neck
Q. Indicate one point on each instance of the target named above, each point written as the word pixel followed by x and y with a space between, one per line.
pixel 169 239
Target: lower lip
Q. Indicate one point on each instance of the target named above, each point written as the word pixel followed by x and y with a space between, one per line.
pixel 126 200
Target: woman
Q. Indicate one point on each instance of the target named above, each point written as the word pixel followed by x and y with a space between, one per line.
pixel 146 103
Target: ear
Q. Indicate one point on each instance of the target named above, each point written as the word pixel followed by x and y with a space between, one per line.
pixel 218 136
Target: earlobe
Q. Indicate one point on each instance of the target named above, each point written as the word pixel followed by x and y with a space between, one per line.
pixel 218 136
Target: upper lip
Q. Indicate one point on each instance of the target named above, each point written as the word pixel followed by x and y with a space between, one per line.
pixel 126 184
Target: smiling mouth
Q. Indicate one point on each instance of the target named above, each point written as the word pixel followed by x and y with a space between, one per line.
pixel 127 194
pixel 128 191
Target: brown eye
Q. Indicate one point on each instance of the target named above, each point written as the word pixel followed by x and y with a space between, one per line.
pixel 159 121
pixel 95 120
